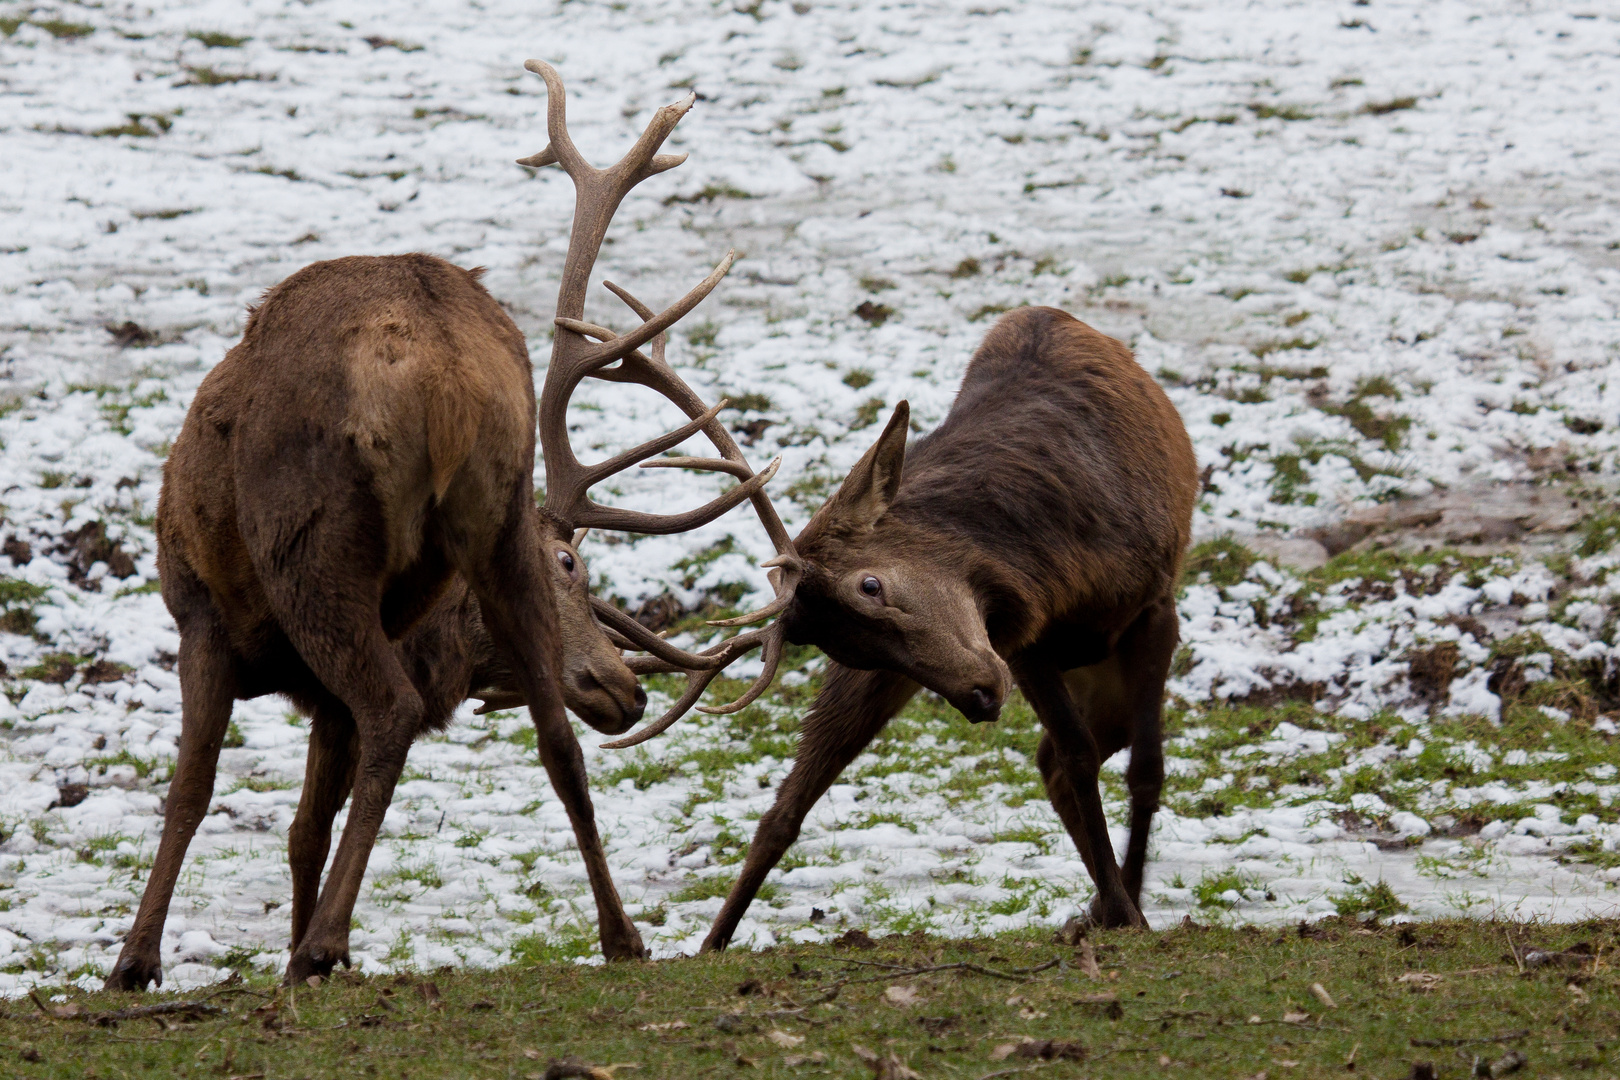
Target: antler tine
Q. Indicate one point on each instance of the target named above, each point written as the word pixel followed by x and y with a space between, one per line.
pixel 619 462
pixel 698 681
pixel 597 516
pixel 770 657
pixel 641 638
pixel 617 348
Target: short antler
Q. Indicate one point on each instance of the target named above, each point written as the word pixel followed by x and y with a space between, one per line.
pixel 575 356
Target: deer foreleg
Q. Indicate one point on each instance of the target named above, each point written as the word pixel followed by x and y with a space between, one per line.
pixel 1146 651
pixel 847 715
pixel 206 694
pixel 513 595
pixel 328 778
pixel 1075 752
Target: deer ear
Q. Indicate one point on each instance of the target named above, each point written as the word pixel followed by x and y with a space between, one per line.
pixel 875 480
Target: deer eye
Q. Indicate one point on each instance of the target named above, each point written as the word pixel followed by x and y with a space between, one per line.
pixel 871 586
pixel 567 561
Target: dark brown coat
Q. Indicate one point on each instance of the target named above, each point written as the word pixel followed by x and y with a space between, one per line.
pixel 1035 537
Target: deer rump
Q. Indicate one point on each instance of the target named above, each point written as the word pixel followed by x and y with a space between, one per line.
pixel 360 388
pixel 1036 536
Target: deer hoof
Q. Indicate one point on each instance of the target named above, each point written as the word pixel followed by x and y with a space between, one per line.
pixel 134 974
pixel 625 944
pixel 309 961
pixel 1120 915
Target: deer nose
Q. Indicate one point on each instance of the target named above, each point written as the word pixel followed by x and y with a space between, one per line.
pixel 640 698
pixel 985 704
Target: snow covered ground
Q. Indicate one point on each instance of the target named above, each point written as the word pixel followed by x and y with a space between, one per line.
pixel 1372 251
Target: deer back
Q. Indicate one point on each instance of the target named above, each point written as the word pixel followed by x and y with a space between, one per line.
pixel 1065 467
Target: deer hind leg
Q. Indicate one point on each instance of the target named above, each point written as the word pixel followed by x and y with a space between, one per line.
pixel 207 691
pixel 847 715
pixel 351 655
pixel 514 594
pixel 322 570
pixel 1070 761
pixel 328 778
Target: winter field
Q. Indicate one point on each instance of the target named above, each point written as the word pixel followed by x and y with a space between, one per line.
pixel 1371 250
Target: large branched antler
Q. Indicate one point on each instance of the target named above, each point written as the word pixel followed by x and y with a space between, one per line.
pixel 583 350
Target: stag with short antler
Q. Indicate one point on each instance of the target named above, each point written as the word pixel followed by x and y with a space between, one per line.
pixel 1036 537
pixel 348 520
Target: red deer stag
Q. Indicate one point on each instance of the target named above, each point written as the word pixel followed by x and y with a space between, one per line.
pixel 348 519
pixel 1036 536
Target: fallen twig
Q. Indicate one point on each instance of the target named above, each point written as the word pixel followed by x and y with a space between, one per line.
pixel 1509 1037
pixel 196 1010
pixel 1017 975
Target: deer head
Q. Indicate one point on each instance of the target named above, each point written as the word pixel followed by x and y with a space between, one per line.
pixel 877 593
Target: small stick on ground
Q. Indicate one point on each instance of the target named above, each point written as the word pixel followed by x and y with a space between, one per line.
pixel 1511 1036
pixel 1017 975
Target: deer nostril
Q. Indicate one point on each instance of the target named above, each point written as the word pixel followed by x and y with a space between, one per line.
pixel 641 698
pixel 983 699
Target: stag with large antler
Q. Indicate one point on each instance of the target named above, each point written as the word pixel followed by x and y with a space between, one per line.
pixel 348 520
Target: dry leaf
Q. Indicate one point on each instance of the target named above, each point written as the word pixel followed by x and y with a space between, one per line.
pixel 1287 1064
pixel 1029 1012
pixel 1003 1052
pixel 793 1061
pixel 532 1054
pixel 885 1067
pixel 1104 998
pixel 1323 996
pixel 1015 1000
pixel 783 1039
pixel 430 994
pixel 669 1025
pixel 1164 1059
pixel 1420 980
pixel 313 982
pixel 901 996
pixel 1577 993
pixel 1292 1017
pixel 1255 1020
pixel 1088 961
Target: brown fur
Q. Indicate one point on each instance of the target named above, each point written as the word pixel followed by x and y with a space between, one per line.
pixel 1036 536
pixel 348 519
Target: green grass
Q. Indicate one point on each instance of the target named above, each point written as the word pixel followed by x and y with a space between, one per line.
pixel 1210 1002
pixel 1219 561
pixel 214 39
pixel 1375 899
